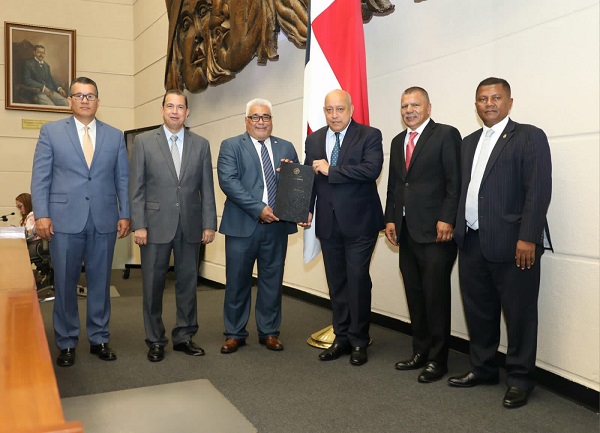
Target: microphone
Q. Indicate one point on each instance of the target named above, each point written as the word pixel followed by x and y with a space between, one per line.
pixel 4 218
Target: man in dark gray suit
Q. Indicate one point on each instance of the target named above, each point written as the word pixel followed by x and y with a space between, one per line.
pixel 36 74
pixel 248 175
pixel 501 233
pixel 173 210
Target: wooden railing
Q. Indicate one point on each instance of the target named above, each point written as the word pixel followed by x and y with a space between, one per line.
pixel 29 398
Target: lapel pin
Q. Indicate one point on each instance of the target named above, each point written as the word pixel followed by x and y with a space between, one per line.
pixel 504 136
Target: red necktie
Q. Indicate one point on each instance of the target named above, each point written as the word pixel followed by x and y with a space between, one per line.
pixel 410 148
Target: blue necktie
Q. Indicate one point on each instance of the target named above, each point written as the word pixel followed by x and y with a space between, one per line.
pixel 335 153
pixel 269 175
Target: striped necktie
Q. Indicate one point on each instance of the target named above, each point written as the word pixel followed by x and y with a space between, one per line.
pixel 269 175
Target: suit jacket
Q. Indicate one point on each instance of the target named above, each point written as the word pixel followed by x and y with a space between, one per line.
pixel 351 187
pixel 241 179
pixel 159 200
pixel 430 190
pixel 38 76
pixel 64 189
pixel 515 191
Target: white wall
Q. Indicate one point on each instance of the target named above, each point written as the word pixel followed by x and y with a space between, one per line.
pixel 547 50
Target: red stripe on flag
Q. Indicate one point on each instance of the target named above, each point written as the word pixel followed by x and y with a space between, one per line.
pixel 339 30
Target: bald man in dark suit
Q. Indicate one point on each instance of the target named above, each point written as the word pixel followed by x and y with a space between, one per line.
pixel 501 232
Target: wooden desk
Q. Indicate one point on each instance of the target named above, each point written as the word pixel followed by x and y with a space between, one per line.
pixel 29 398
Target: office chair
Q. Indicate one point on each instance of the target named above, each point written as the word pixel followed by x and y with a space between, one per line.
pixel 45 273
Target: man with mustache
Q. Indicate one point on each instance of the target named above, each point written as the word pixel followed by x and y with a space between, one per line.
pixel 422 198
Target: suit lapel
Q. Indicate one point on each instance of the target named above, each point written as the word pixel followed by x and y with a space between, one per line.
pixel 74 137
pixel 187 152
pixel 163 145
pixel 505 136
pixel 471 148
pixel 421 143
pixel 99 140
pixel 349 140
pixel 249 146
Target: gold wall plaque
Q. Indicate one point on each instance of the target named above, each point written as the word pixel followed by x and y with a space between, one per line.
pixel 33 123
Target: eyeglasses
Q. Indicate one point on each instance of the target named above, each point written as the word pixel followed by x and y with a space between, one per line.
pixel 255 118
pixel 81 96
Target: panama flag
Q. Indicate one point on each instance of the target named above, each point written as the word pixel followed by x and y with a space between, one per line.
pixel 335 59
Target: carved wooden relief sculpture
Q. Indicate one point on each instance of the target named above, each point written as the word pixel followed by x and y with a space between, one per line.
pixel 212 40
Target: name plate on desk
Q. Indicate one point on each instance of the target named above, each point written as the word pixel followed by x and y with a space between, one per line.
pixel 294 192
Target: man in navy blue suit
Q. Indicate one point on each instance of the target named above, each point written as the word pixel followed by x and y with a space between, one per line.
pixel 347 158
pixel 80 199
pixel 501 232
pixel 247 169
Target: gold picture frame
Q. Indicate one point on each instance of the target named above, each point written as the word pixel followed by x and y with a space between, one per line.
pixel 33 85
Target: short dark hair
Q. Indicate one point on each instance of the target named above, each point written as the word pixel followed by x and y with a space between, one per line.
pixel 35 47
pixel 175 92
pixel 493 80
pixel 82 80
pixel 417 89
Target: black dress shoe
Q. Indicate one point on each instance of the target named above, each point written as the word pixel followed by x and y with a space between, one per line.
pixel 66 358
pixel 469 379
pixel 156 353
pixel 189 348
pixel 415 362
pixel 104 352
pixel 515 397
pixel 432 372
pixel 334 352
pixel 358 356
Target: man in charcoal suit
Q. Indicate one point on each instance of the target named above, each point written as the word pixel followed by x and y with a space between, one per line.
pixel 501 232
pixel 172 210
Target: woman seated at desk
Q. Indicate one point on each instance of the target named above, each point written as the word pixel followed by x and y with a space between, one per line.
pixel 23 202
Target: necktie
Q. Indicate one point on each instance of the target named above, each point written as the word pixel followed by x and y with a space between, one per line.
pixel 175 154
pixel 88 147
pixel 335 153
pixel 410 147
pixel 269 175
pixel 472 202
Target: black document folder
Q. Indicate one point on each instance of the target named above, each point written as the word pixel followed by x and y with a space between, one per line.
pixel 294 192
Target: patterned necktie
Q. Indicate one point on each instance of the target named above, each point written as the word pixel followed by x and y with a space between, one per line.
pixel 335 153
pixel 175 154
pixel 410 147
pixel 88 146
pixel 472 202
pixel 269 175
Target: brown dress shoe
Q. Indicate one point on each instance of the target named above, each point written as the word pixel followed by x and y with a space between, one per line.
pixel 271 342
pixel 231 345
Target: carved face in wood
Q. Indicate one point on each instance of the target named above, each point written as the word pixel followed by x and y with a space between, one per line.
pixel 193 43
pixel 236 32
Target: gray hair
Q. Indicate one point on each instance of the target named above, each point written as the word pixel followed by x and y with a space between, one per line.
pixel 260 102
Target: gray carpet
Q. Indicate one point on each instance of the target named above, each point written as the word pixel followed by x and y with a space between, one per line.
pixel 292 391
pixel 192 407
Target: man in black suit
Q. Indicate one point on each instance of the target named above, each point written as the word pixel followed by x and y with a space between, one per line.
pixel 422 198
pixel 36 74
pixel 501 232
pixel 347 158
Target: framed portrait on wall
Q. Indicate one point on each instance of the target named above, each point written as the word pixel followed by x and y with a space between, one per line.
pixel 40 65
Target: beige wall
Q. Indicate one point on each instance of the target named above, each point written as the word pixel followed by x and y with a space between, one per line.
pixel 548 51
